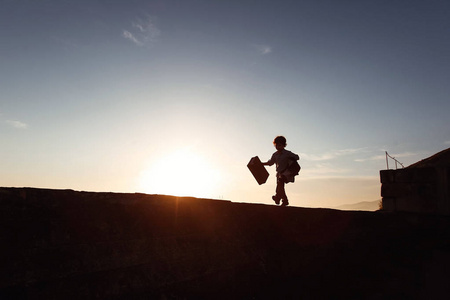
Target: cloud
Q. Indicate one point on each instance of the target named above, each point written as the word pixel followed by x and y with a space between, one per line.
pixel 321 170
pixel 330 155
pixel 404 154
pixel 263 49
pixel 383 156
pixel 17 124
pixel 447 143
pixel 372 158
pixel 128 35
pixel 143 32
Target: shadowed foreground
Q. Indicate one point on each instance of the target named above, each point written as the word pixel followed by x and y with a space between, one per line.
pixel 59 244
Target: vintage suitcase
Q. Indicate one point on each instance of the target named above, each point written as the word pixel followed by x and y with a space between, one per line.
pixel 258 170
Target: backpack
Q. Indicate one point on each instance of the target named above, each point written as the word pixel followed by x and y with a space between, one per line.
pixel 294 168
pixel 291 171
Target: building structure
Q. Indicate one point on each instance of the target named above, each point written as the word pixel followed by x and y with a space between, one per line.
pixel 423 187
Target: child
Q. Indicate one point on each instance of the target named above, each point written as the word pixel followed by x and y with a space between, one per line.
pixel 282 158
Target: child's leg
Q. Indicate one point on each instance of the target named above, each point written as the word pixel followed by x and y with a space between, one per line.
pixel 280 191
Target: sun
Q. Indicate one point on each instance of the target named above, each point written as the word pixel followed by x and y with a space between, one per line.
pixel 180 173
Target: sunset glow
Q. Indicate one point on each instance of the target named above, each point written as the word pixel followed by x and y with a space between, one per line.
pixel 180 173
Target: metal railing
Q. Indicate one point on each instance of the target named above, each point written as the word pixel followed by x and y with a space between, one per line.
pixel 396 161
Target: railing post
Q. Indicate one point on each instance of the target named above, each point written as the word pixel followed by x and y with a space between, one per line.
pixel 395 160
pixel 387 163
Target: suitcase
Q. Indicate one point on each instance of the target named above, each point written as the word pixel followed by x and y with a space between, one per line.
pixel 258 170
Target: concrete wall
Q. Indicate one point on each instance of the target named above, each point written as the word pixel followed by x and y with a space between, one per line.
pixel 62 244
pixel 421 190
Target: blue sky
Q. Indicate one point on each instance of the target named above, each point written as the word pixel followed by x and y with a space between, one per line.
pixel 107 95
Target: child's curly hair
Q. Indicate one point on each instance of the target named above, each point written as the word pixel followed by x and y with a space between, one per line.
pixel 280 140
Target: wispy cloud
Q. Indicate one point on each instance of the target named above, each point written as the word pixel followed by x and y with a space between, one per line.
pixel 322 169
pixel 17 124
pixel 128 35
pixel 263 49
pixel 371 158
pixel 383 156
pixel 405 154
pixel 143 32
pixel 331 154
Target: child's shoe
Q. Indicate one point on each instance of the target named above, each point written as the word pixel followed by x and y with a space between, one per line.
pixel 276 199
pixel 285 202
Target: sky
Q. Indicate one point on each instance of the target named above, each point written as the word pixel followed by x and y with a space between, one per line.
pixel 175 97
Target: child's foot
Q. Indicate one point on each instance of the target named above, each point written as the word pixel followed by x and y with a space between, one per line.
pixel 277 200
pixel 285 202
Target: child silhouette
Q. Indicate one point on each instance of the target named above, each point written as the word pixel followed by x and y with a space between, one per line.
pixel 282 158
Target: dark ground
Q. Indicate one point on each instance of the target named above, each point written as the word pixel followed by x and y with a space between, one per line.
pixel 63 244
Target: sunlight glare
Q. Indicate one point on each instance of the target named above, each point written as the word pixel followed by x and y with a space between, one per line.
pixel 181 173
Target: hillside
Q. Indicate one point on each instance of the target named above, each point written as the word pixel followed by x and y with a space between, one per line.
pixel 365 206
pixel 63 244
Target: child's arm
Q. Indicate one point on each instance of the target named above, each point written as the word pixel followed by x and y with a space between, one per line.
pixel 270 162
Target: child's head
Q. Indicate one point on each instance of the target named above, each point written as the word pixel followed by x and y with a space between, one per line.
pixel 280 142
